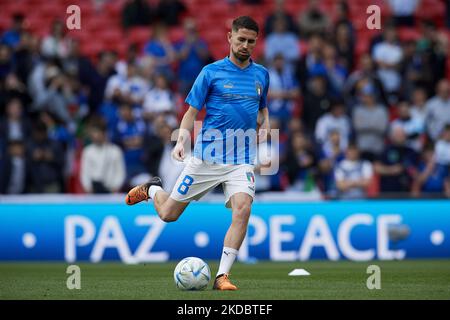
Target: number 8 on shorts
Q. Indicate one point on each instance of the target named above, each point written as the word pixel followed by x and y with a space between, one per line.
pixel 184 186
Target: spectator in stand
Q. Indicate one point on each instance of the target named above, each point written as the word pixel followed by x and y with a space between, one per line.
pixel 15 126
pixel 102 164
pixel 434 49
pixel 443 147
pixel 160 101
pixel 11 37
pixel 161 50
pixel 192 54
pixel 268 154
pixel 168 168
pixel 342 17
pixel 6 61
pixel 51 90
pixel 14 169
pixel 353 175
pixel 316 102
pixel 46 160
pixel 283 91
pixel 95 78
pixel 330 154
pixel 300 163
pixel 137 13
pixel 438 59
pixel 418 104
pixel 334 121
pixel 412 126
pixel 56 44
pixel 130 89
pixel 307 64
pixel 403 11
pixel 414 68
pixel 56 129
pixel 131 56
pixel 336 73
pixel 431 176
pixel 129 135
pixel 443 155
pixel 365 74
pixel 397 165
pixel 26 55
pixel 438 110
pixel 170 12
pixel 370 122
pixel 313 20
pixel 282 41
pixel 345 45
pixel 13 88
pixel 388 54
pixel 279 12
pixel 153 145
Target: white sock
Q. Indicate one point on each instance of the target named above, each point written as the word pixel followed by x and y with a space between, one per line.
pixel 152 191
pixel 227 260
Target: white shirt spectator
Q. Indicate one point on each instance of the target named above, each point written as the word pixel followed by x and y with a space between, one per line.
pixel 438 115
pixel 419 113
pixel 328 123
pixel 442 152
pixel 158 100
pixel 414 126
pixel 136 87
pixel 52 47
pixel 391 54
pixel 103 163
pixel 403 8
pixel 285 43
pixel 348 170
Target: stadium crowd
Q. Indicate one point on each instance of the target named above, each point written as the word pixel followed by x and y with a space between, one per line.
pixel 351 126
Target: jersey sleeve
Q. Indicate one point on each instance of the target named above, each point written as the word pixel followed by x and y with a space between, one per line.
pixel 263 100
pixel 199 91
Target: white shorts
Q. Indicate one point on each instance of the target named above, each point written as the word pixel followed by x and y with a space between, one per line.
pixel 199 177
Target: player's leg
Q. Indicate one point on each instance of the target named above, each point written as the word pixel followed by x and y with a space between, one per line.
pixel 241 207
pixel 239 192
pixel 196 180
pixel 168 209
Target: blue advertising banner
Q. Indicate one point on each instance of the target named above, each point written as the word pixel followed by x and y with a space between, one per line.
pixel 358 230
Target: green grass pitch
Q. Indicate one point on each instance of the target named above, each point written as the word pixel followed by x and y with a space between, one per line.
pixel 412 279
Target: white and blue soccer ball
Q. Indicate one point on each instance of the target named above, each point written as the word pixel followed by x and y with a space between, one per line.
pixel 192 273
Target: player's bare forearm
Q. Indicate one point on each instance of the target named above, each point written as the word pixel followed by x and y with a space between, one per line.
pixel 186 125
pixel 263 117
pixel 263 124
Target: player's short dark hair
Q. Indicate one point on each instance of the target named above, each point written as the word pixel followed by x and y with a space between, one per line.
pixel 245 22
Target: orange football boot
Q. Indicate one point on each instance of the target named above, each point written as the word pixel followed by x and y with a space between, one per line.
pixel 223 282
pixel 140 192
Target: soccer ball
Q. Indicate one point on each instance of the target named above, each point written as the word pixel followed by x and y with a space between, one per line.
pixel 192 273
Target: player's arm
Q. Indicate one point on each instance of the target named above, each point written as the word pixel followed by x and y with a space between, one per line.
pixel 263 124
pixel 184 135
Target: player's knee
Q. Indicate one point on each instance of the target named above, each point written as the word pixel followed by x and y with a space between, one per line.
pixel 242 212
pixel 169 216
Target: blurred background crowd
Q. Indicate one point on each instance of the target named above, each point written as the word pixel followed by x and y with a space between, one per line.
pixel 361 113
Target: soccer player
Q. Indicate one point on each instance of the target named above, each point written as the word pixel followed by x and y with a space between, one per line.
pixel 234 91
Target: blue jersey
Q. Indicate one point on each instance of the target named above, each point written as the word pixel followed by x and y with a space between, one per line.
pixel 233 97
